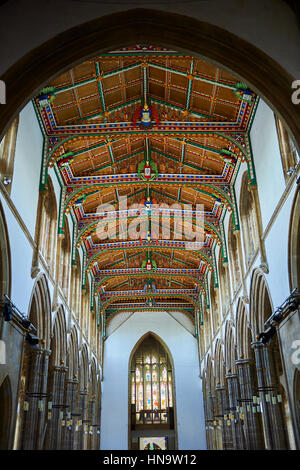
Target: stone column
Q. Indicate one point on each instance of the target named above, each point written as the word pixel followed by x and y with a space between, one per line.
pixel 30 417
pixel 41 419
pixel 82 437
pixel 209 420
pixel 253 426
pixel 275 431
pixel 54 423
pixel 92 417
pixel 69 432
pixel 234 395
pixel 222 400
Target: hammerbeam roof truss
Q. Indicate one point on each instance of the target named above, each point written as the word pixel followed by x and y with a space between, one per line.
pixel 97 144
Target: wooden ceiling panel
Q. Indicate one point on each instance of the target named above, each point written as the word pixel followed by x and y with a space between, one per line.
pixel 111 82
pixel 133 75
pixel 133 92
pixel 178 80
pixel 83 71
pixel 200 104
pixel 177 97
pixel 203 88
pixel 67 114
pixel 157 74
pixel 205 69
pixel 156 90
pixel 183 108
pixel 85 91
pixel 113 98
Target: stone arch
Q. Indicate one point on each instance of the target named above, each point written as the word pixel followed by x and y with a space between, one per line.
pixel 59 338
pixel 219 363
pixel 242 337
pixel 73 355
pixel 84 368
pixel 294 244
pixel 5 259
pixel 261 306
pixel 230 348
pixel 158 338
pixel 40 309
pixel 167 29
pixel 164 412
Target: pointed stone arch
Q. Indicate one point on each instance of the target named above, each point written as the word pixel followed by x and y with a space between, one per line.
pixel 242 327
pixel 40 309
pixel 73 355
pixel 84 368
pixel 261 306
pixel 230 348
pixel 219 363
pixel 59 338
pixel 294 244
pixel 5 259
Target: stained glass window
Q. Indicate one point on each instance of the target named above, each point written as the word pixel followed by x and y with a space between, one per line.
pixel 151 383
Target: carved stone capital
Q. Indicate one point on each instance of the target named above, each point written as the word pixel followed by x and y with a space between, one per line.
pixel 245 299
pixel 264 267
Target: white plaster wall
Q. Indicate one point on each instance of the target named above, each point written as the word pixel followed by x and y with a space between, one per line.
pixel 277 254
pixel 267 160
pixel 188 387
pixel 27 168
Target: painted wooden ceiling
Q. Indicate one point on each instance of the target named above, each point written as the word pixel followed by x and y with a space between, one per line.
pixel 97 142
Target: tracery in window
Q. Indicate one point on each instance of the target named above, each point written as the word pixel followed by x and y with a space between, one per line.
pixel 151 383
